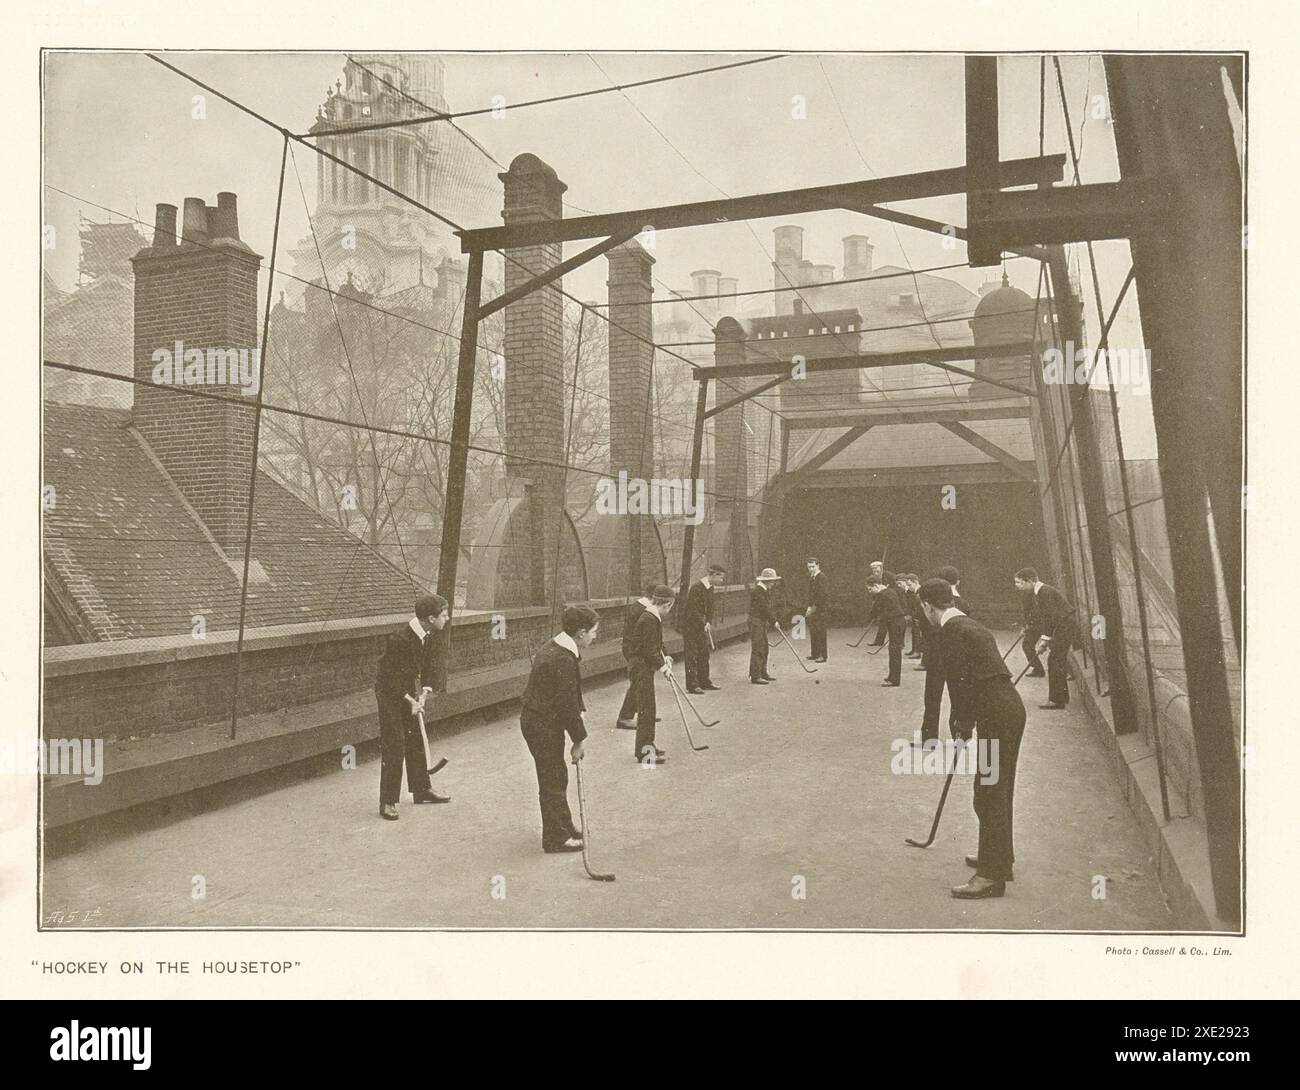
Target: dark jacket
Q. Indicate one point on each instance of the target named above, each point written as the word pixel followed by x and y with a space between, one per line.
pixel 553 697
pixel 914 609
pixel 819 594
pixel 889 605
pixel 1052 615
pixel 630 618
pixel 760 605
pixel 699 607
pixel 647 641
pixel 971 660
pixel 407 665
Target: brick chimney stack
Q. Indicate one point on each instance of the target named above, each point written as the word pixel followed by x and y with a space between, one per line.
pixel 196 328
pixel 534 355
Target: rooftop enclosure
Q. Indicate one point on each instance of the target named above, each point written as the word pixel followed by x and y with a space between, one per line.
pixel 273 418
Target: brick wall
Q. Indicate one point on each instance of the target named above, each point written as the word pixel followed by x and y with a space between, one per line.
pixel 140 688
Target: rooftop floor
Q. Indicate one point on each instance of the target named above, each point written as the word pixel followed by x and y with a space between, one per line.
pixel 797 782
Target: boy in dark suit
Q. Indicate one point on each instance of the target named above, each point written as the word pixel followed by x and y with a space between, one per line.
pixel 698 625
pixel 816 613
pixel 553 707
pixel 648 658
pixel 627 711
pixel 984 701
pixel 761 618
pixel 410 668
pixel 1053 618
pixel 893 617
pixel 911 584
pixel 876 575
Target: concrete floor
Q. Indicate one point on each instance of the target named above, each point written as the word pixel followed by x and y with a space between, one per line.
pixel 796 785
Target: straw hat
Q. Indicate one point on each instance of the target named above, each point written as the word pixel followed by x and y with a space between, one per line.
pixel 767 575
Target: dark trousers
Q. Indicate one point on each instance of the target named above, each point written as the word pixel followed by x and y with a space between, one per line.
pixel 1002 717
pixel 697 658
pixel 918 636
pixel 817 634
pixel 933 697
pixel 882 630
pixel 1058 670
pixel 399 739
pixel 643 684
pixel 546 744
pixel 1029 645
pixel 628 708
pixel 757 648
pixel 897 631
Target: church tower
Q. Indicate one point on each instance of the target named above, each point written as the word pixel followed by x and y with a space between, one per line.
pixel 383 243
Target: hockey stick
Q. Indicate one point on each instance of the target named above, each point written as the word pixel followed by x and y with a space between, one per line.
pixel 855 646
pixel 582 818
pixel 703 722
pixel 1020 632
pixel 682 712
pixel 943 797
pixel 806 669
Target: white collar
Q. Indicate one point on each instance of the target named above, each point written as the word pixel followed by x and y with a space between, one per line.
pixel 644 601
pixel 650 607
pixel 418 628
pixel 568 643
pixel 948 614
pixel 1039 586
pixel 706 584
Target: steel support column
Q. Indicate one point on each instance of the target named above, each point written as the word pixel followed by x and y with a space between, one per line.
pixel 458 456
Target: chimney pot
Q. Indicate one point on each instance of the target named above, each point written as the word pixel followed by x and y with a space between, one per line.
pixel 164 225
pixel 194 226
pixel 224 219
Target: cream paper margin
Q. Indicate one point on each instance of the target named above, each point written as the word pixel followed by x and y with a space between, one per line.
pixel 648 964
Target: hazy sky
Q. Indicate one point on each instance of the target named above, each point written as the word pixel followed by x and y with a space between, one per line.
pixel 119 132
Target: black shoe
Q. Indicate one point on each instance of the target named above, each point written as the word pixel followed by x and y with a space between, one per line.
pixel 758 681
pixel 822 659
pixel 890 684
pixel 388 811
pixel 768 677
pixel 625 724
pixel 570 845
pixel 427 797
pixel 696 691
pixel 913 655
pixel 974 861
pixel 1052 707
pixel 709 686
pixel 978 889
pixel 811 658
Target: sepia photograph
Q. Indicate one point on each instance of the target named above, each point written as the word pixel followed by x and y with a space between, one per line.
pixel 793 491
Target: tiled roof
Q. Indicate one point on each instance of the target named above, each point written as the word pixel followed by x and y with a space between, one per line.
pixel 136 562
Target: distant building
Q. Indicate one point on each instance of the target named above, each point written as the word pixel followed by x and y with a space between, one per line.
pixel 90 326
pixel 382 242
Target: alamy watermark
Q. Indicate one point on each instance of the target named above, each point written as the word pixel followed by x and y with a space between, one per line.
pixel 1121 366
pixel 54 757
pixel 912 757
pixel 181 366
pixel 657 496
